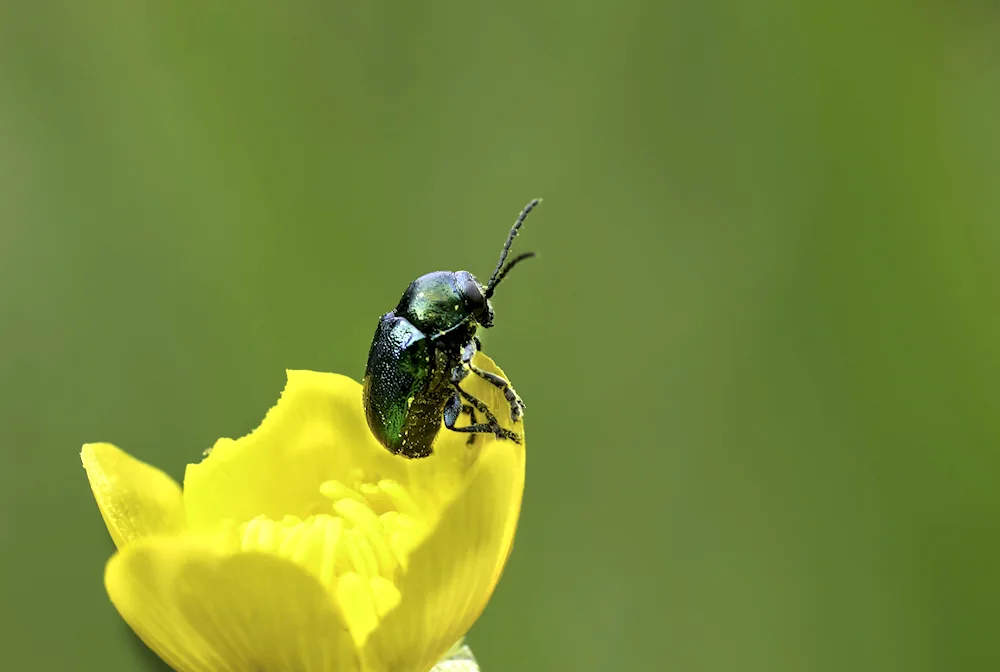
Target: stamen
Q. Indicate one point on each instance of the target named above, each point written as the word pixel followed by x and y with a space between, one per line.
pixel 361 554
pixel 302 551
pixel 265 534
pixel 356 600
pixel 401 499
pixel 335 490
pixel 385 593
pixel 357 549
pixel 404 534
pixel 380 502
pixel 367 523
pixel 250 532
pixel 328 561
pixel 292 538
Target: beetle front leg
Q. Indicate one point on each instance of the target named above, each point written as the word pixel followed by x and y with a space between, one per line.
pixel 491 420
pixel 516 405
pixel 454 408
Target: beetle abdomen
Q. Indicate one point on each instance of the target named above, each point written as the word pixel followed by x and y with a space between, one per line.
pixel 403 407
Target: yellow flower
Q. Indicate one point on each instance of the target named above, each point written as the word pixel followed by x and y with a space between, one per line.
pixel 306 545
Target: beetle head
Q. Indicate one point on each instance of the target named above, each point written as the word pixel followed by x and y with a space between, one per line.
pixel 474 298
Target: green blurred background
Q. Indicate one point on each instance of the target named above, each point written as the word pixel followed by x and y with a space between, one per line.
pixel 760 347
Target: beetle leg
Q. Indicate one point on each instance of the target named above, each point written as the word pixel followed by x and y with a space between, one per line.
pixel 459 372
pixel 516 405
pixel 472 420
pixel 468 351
pixel 456 402
pixel 454 408
pixel 491 420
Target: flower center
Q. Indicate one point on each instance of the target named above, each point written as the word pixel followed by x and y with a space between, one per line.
pixel 358 550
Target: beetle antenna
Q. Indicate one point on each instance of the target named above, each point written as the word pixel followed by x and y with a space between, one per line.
pixel 506 270
pixel 499 274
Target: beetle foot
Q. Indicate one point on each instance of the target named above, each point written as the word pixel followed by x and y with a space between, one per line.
pixel 502 433
pixel 516 405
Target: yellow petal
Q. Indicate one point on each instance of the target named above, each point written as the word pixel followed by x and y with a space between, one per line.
pixel 135 499
pixel 316 432
pixel 494 398
pixel 452 574
pixel 205 611
pixel 441 477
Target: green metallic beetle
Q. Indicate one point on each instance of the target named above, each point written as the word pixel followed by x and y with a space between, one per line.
pixel 423 349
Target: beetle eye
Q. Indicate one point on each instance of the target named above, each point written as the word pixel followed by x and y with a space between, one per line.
pixel 473 295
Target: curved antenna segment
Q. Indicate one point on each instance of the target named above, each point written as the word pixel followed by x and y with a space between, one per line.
pixel 499 274
pixel 506 270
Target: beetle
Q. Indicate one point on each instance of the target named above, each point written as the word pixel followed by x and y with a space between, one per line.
pixel 423 349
